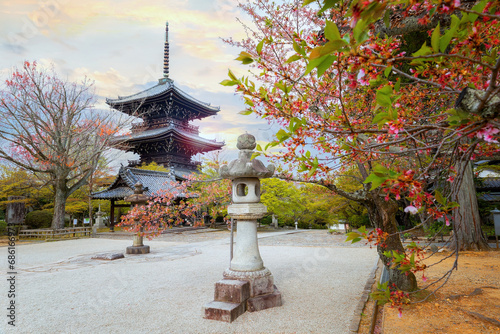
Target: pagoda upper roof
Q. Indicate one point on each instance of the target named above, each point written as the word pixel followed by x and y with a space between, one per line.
pixel 152 182
pixel 165 89
pixel 159 133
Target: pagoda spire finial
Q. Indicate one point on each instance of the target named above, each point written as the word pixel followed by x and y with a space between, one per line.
pixel 166 53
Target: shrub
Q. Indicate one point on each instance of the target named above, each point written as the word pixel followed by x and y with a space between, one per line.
pixel 3 227
pixel 437 228
pixel 39 219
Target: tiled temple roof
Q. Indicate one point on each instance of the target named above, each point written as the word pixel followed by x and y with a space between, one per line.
pixel 160 132
pixel 489 183
pixel 165 85
pixel 123 186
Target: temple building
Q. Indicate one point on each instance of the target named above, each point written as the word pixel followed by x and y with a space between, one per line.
pixel 162 134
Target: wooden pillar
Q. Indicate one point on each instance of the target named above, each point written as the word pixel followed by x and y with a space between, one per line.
pixel 112 216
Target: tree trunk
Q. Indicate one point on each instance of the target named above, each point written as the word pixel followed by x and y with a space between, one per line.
pixel 383 215
pixel 467 233
pixel 59 207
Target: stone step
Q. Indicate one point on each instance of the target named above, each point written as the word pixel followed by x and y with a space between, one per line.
pixel 232 291
pixel 262 302
pixel 223 311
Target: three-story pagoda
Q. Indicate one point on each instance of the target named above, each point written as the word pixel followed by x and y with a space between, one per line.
pixel 164 135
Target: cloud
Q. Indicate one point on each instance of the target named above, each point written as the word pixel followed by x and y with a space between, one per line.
pixel 119 44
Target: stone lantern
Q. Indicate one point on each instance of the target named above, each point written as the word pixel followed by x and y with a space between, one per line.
pixel 139 199
pixel 496 221
pixel 247 284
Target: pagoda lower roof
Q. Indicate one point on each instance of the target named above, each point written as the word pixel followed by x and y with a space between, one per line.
pixel 163 91
pixel 152 181
pixel 161 133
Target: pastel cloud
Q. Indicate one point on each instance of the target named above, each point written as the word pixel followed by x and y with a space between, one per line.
pixel 119 44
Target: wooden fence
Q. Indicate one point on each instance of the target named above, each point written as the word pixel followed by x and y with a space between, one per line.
pixel 71 232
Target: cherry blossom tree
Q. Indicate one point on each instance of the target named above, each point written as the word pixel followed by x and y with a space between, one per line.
pixel 203 194
pixel 348 88
pixel 50 127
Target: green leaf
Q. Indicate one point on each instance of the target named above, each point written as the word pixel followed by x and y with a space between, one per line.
pixel 436 34
pixel 293 58
pixel 383 100
pixel 328 48
pixel 386 90
pixel 296 47
pixel 424 50
pixel 313 64
pixel 312 171
pixel 383 96
pixel 228 82
pixel 360 31
pixel 331 31
pixel 446 39
pixel 306 2
pixel 246 112
pixel 387 18
pixel 325 64
pixel 478 8
pixel 375 180
pixel 231 75
pixel 353 237
pixel 327 4
pixel 282 135
pixel 245 58
pixel 381 118
pixel 255 155
pixel 387 71
pixel 397 86
pixel 259 46
pixel 439 197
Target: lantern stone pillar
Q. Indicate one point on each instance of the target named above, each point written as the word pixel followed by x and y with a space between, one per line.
pixel 137 199
pixel 247 284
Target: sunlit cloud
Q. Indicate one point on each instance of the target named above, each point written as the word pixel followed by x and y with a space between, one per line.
pixel 119 45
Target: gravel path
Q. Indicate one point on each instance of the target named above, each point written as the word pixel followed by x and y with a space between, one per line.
pixel 59 289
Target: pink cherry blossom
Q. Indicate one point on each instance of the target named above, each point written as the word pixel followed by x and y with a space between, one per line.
pixel 411 209
pixel 487 133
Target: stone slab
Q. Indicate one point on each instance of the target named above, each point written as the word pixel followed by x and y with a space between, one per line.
pixel 263 302
pixel 222 311
pixel 232 291
pixel 137 249
pixel 108 256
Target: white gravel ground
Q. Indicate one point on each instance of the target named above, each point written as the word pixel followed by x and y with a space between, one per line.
pixel 59 289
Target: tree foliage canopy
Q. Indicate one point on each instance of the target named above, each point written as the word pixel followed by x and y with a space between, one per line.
pixel 50 127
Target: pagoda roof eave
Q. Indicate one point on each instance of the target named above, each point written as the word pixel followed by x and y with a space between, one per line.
pixel 165 86
pixel 156 134
pixel 152 181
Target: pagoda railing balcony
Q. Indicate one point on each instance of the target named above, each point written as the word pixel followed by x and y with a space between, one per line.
pixel 163 123
pixel 138 127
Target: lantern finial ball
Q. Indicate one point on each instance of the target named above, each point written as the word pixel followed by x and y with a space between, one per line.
pixel 246 142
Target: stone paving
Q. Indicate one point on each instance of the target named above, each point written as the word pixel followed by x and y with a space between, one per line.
pixel 62 290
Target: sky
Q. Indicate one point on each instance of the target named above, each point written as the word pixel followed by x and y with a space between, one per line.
pixel 119 45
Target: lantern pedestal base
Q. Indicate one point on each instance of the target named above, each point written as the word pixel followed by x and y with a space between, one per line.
pixel 242 291
pixel 137 249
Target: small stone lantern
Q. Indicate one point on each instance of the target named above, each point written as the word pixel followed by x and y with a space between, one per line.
pixel 139 199
pixel 496 221
pixel 247 284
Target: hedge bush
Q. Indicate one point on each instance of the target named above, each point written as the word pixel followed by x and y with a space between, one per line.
pixel 3 227
pixel 39 219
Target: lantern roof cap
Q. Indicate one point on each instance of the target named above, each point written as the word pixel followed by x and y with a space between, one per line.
pixel 245 166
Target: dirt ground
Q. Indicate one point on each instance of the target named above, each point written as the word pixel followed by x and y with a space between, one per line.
pixel 468 303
